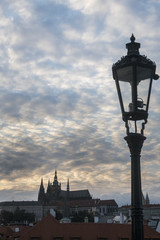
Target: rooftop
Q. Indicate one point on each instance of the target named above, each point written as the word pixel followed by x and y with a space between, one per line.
pixel 50 228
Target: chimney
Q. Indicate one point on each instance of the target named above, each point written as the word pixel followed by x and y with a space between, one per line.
pixel 86 219
pixel 121 218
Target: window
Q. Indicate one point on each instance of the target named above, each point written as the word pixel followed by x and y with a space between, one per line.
pixel 102 238
pixel 58 238
pixel 151 238
pixel 75 238
pixel 35 238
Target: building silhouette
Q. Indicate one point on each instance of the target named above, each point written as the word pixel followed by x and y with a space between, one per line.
pixel 54 193
pixel 65 202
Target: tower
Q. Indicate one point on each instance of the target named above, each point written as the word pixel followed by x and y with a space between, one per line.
pixel 68 190
pixel 66 201
pixel 41 194
pixel 147 199
pixel 68 185
pixel 55 188
pixel 143 199
pixel 55 182
pixel 49 187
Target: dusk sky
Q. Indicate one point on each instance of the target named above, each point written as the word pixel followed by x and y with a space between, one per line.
pixel 58 102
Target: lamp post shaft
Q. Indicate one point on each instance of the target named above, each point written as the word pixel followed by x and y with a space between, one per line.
pixel 135 143
pixel 135 69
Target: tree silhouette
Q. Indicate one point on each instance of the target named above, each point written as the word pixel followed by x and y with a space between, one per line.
pixel 18 216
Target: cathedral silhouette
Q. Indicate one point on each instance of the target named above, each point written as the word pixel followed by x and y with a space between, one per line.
pixel 54 193
pixel 64 202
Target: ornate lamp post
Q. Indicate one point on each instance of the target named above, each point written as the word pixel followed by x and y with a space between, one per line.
pixel 133 75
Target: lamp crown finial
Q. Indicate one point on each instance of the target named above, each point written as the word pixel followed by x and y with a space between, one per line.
pixel 132 38
pixel 133 47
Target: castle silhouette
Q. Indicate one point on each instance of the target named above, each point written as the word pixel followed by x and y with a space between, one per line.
pixel 54 192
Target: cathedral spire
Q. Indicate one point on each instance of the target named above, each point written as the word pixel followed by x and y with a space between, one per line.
pixel 68 185
pixel 66 201
pixel 41 194
pixel 143 199
pixel 41 186
pixel 55 176
pixel 49 187
pixel 147 199
pixel 55 182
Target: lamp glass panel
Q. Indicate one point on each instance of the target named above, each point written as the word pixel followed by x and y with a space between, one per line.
pixel 142 95
pixel 125 88
pixel 144 76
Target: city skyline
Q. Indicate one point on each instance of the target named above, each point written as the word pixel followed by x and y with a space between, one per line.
pixel 58 103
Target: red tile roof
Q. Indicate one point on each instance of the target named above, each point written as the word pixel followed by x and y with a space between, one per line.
pixel 49 228
pixel 5 231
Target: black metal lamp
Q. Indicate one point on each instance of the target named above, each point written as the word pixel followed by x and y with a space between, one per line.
pixel 133 75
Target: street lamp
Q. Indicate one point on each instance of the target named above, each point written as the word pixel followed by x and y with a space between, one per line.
pixel 133 75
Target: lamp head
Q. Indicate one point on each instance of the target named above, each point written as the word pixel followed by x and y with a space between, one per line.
pixel 133 75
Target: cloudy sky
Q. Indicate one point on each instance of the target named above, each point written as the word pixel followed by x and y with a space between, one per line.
pixel 58 102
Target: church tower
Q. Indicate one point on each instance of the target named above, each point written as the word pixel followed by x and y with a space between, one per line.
pixel 143 199
pixel 68 185
pixel 49 187
pixel 41 194
pixel 55 182
pixel 66 201
pixel 55 188
pixel 147 199
pixel 68 189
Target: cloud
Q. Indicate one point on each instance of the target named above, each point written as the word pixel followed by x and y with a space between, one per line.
pixel 58 103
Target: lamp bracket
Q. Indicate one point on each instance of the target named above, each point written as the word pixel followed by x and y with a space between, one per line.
pixel 135 142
